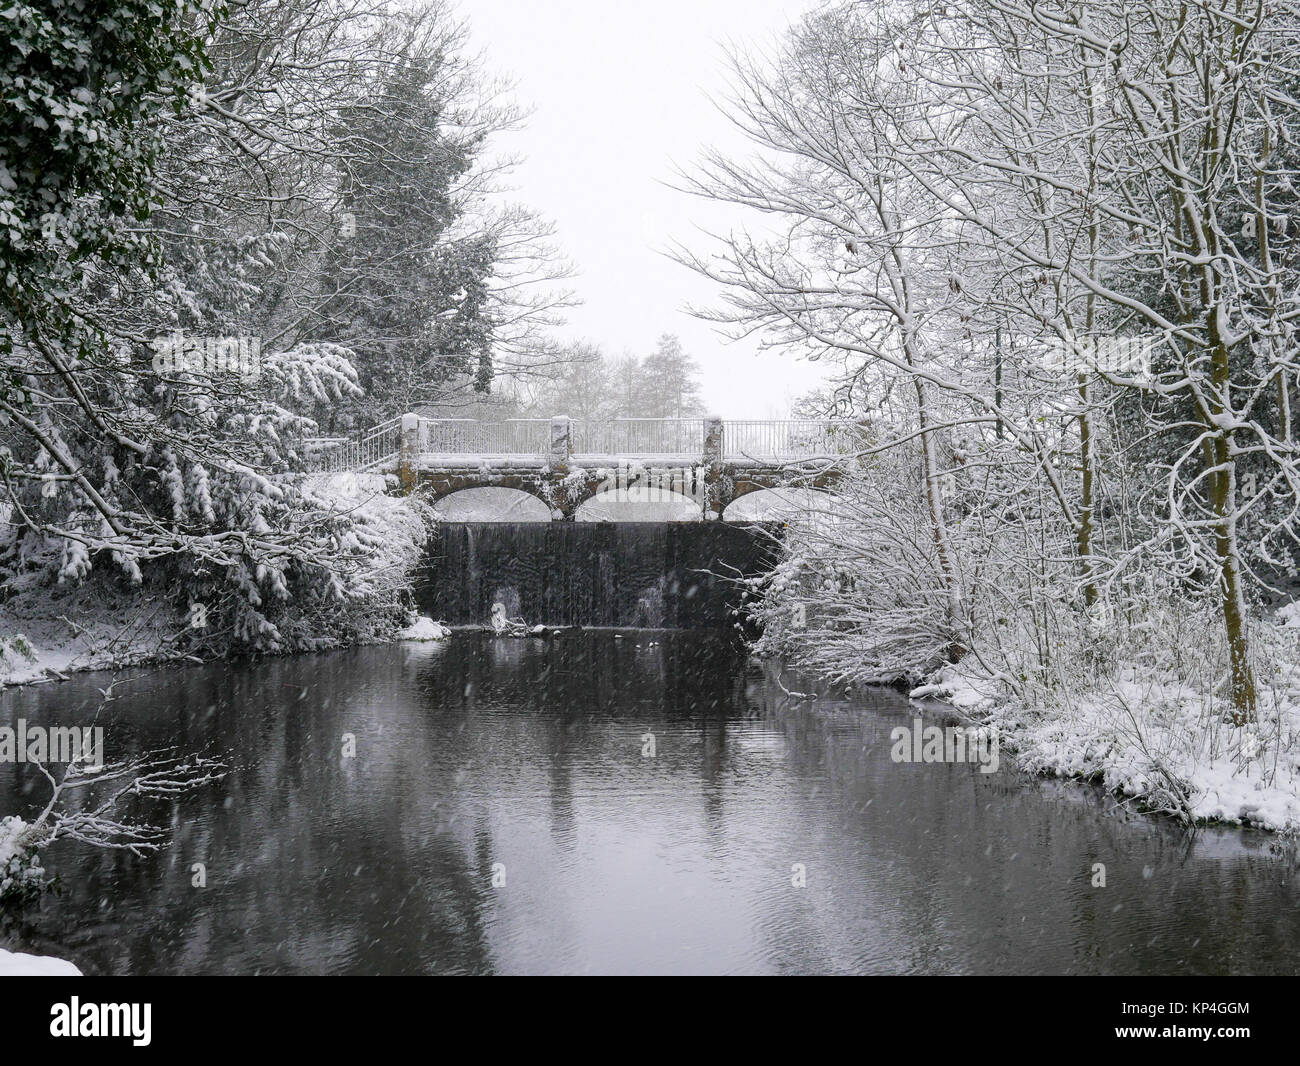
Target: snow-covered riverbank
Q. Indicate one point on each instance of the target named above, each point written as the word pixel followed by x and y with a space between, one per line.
pixel 48 631
pixel 1152 736
pixel 1141 691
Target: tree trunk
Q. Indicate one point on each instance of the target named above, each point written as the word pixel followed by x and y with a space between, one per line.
pixel 1087 490
pixel 939 528
pixel 1227 550
pixel 1230 587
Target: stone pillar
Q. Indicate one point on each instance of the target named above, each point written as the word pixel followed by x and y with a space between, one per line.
pixel 558 464
pixel 715 480
pixel 561 445
pixel 713 441
pixel 408 454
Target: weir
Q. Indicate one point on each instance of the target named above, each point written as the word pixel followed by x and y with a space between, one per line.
pixel 672 575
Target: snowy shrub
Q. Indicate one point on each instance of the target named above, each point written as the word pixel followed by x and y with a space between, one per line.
pixel 269 557
pixel 22 878
pixel 1154 722
pixel 92 806
pixel 15 650
pixel 859 593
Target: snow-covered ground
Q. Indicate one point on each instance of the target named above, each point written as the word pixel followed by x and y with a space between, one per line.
pixel 46 634
pixel 16 964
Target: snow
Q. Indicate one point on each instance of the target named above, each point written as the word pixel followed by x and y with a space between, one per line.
pixel 1289 615
pixel 615 460
pixel 17 964
pixel 1152 736
pixel 964 692
pixel 65 630
pixel 424 628
pixel 20 869
pixel 486 462
pixel 395 519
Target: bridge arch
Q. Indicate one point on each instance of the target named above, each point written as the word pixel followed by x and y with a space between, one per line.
pixel 783 503
pixel 638 504
pixel 491 503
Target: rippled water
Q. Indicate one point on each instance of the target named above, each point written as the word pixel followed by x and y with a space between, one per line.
pixel 529 754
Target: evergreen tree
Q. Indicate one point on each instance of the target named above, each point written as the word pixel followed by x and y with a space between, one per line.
pixel 669 387
pixel 407 290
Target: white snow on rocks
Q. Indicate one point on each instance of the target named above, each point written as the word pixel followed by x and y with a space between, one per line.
pixel 424 628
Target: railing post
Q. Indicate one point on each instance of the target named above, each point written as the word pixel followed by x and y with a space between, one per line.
pixel 408 453
pixel 561 444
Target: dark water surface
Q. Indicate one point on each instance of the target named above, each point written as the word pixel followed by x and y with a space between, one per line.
pixel 528 753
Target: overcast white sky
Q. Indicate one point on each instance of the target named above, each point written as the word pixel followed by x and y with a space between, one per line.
pixel 619 93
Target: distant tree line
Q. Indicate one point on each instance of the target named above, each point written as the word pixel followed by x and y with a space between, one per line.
pixel 593 386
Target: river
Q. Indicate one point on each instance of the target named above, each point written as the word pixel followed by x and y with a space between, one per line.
pixel 615 802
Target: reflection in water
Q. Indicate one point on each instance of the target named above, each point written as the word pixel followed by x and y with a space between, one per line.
pixel 528 753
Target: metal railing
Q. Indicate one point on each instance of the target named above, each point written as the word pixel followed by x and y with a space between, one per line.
pixel 639 436
pixel 468 436
pixel 333 455
pixel 785 438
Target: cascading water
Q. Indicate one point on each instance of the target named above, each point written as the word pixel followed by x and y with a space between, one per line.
pixel 650 607
pixel 673 575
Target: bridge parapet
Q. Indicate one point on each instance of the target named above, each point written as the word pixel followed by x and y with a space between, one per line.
pixel 567 461
pixel 701 439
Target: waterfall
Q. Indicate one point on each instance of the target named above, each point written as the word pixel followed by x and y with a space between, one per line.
pixel 630 574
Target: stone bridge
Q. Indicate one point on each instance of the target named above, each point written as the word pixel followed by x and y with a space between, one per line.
pixel 566 463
